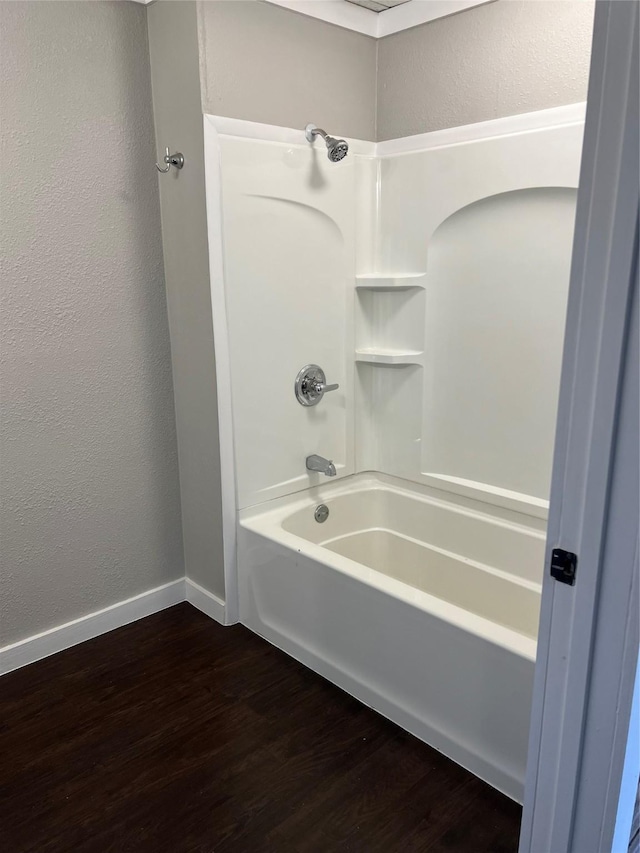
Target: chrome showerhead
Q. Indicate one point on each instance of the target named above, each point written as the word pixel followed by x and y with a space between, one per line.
pixel 337 149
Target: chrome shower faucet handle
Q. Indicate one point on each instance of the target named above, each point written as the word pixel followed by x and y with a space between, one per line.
pixel 311 385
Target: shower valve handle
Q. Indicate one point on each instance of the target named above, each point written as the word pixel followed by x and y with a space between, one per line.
pixel 311 385
pixel 321 388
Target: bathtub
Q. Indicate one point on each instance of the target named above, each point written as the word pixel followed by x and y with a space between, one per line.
pixel 422 606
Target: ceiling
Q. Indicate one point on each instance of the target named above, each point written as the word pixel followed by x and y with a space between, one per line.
pixel 378 5
pixel 361 15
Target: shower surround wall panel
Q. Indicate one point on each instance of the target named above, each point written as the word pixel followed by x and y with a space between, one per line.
pixel 289 256
pixel 490 225
pixel 428 277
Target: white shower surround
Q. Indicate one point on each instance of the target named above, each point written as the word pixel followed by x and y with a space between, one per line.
pixel 377 259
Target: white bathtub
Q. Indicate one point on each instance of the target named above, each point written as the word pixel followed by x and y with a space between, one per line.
pixel 424 608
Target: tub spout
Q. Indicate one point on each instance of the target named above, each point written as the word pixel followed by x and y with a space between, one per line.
pixel 319 463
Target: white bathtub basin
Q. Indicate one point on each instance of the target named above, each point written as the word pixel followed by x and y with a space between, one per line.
pixel 424 608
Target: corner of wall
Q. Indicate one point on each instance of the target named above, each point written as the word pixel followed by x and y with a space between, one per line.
pixel 376 91
pixel 202 54
pixel 177 96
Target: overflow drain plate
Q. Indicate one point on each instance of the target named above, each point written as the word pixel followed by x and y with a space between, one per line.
pixel 321 514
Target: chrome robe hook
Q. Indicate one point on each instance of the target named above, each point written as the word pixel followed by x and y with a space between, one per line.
pixel 170 160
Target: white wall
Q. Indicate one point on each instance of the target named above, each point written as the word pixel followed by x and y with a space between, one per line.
pixel 90 500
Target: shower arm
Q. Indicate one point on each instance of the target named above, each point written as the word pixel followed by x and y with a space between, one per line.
pixel 311 131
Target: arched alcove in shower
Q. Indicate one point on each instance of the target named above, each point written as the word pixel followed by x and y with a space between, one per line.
pixel 495 314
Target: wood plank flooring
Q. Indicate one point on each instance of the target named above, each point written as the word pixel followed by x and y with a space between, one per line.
pixel 175 735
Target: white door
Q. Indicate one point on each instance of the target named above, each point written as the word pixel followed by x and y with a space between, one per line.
pixel 588 640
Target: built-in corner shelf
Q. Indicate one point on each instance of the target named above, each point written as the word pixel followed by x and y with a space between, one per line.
pixel 390 281
pixel 390 319
pixel 389 357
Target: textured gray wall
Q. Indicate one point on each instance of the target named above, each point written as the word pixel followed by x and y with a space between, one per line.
pixel 504 58
pixel 90 498
pixel 173 45
pixel 268 64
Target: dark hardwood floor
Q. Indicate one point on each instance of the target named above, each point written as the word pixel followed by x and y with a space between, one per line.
pixel 175 734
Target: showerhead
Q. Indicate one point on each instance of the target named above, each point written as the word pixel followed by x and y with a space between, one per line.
pixel 337 149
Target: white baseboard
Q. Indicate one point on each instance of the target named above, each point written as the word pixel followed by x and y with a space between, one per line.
pixel 92 625
pixel 205 601
pixel 122 613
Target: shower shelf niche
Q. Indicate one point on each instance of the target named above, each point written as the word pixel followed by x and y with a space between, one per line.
pixel 390 281
pixel 390 357
pixel 390 320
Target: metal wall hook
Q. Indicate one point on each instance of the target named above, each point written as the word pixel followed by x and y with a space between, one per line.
pixel 170 160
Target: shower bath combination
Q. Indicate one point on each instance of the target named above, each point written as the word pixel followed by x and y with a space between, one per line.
pixel 337 149
pixel 389 525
